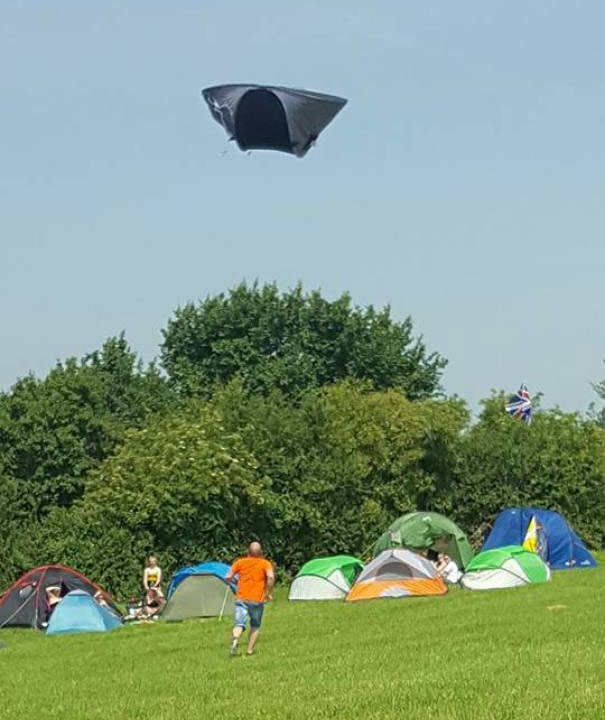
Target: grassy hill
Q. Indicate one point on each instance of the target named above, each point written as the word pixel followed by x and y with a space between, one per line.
pixel 537 651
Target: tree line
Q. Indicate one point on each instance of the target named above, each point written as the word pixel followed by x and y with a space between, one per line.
pixel 306 423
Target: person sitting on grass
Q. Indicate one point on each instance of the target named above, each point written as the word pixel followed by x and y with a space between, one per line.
pixel 447 569
pixel 151 605
pixel 154 602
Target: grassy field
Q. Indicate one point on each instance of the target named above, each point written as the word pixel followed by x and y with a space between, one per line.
pixel 502 654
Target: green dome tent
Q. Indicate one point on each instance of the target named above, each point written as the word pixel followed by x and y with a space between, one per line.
pixel 327 578
pixel 426 531
pixel 509 566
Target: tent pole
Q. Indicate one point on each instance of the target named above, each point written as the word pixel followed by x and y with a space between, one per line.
pixel 224 603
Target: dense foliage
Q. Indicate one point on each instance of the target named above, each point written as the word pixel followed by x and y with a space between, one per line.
pixel 598 413
pixel 294 342
pixel 558 462
pixel 313 444
pixel 204 480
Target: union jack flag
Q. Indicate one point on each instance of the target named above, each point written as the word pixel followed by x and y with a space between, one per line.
pixel 519 405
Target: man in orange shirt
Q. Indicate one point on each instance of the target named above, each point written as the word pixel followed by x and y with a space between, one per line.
pixel 255 580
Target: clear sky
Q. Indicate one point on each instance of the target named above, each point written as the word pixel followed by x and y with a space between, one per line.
pixel 462 184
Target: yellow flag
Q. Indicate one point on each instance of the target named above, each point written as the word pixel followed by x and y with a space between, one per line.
pixel 531 536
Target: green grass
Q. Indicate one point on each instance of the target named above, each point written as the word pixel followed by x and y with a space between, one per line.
pixel 471 656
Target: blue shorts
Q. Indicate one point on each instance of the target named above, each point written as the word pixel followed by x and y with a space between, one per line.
pixel 251 610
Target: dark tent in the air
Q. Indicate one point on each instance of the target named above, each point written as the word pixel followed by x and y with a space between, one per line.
pixel 26 603
pixel 272 118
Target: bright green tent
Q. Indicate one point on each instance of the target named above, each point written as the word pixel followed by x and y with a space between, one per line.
pixel 508 566
pixel 327 578
pixel 427 531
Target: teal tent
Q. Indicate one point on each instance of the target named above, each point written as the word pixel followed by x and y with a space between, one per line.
pixel 79 612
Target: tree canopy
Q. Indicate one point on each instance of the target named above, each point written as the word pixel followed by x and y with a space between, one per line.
pixel 294 342
pixel 55 430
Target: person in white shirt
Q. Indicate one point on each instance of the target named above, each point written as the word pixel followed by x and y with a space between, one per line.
pixel 448 569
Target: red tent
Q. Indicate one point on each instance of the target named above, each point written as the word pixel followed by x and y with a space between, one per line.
pixel 26 604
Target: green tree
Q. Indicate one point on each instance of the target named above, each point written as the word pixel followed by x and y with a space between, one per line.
pixel 293 342
pixel 183 487
pixel 321 477
pixel 55 430
pixel 558 462
pixel 18 549
pixel 598 414
pixel 344 463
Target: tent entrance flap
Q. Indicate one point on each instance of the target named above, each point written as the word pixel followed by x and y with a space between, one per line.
pixel 260 123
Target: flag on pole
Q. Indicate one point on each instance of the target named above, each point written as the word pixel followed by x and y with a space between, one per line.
pixel 535 539
pixel 519 405
pixel 530 542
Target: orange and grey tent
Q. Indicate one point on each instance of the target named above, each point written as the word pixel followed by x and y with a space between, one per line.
pixel 397 573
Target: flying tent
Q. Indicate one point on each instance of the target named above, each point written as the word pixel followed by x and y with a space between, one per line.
pixel 427 531
pixel 79 612
pixel 200 591
pixel 262 117
pixel 25 604
pixel 397 574
pixel 505 567
pixel 546 531
pixel 327 578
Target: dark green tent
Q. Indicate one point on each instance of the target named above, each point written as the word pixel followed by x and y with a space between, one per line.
pixel 427 531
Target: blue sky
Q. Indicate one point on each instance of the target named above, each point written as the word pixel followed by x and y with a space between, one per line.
pixel 462 184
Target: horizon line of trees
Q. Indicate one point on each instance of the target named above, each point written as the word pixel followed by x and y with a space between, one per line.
pixel 306 423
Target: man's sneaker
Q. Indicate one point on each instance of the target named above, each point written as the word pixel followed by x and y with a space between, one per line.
pixel 233 648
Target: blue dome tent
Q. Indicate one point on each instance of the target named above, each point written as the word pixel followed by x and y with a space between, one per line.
pixel 200 591
pixel 554 539
pixel 80 612
pixel 218 569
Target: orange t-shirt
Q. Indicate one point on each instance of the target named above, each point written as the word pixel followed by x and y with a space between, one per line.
pixel 252 572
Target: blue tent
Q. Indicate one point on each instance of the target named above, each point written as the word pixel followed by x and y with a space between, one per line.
pixel 217 569
pixel 562 548
pixel 80 612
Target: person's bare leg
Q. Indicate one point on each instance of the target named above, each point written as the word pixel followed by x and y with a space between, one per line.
pixel 236 635
pixel 252 640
